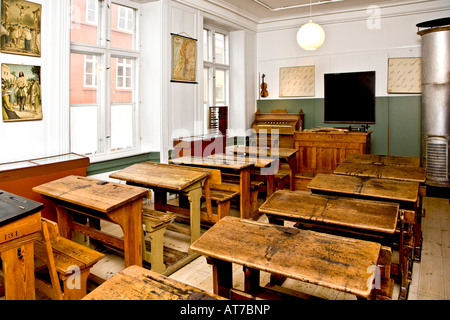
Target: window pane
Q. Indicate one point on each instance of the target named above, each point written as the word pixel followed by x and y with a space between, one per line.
pixel 219 48
pixel 220 87
pixel 123 27
pixel 84 17
pixel 122 125
pixel 205 86
pixel 206 45
pixel 83 130
pixel 122 73
pixel 84 75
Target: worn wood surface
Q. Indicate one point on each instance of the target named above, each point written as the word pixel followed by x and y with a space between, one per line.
pixel 16 254
pixel 212 162
pixel 91 193
pixel 383 160
pixel 282 153
pixel 402 173
pixel 371 187
pixel 344 212
pixel 159 175
pixel 137 283
pixel 335 262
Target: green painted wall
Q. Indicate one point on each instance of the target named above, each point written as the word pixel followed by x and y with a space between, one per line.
pixel 397 130
pixel 118 164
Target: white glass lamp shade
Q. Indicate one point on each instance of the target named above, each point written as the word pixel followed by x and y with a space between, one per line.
pixel 310 36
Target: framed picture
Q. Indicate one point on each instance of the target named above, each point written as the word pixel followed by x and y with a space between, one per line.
pixel 21 27
pixel 21 92
pixel 184 59
pixel 297 81
pixel 404 75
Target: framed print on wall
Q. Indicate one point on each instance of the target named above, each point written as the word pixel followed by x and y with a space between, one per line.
pixel 184 59
pixel 404 75
pixel 297 81
pixel 21 27
pixel 21 93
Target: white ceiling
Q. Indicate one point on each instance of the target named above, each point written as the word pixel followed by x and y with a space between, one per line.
pixel 272 10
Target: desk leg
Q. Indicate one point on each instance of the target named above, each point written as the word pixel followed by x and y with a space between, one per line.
pixel 292 169
pixel 251 280
pixel 270 185
pixel 160 200
pixel 222 277
pixel 18 268
pixel 244 185
pixel 64 220
pixel 194 197
pixel 129 217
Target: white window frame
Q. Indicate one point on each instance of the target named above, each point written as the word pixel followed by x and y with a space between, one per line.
pixel 124 19
pixel 105 52
pixel 95 21
pixel 126 66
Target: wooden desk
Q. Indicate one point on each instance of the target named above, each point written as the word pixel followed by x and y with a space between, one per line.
pixel 286 154
pixel 394 172
pixel 113 202
pixel 20 224
pixel 242 168
pixel 137 283
pixel 163 178
pixel 267 166
pixel 362 219
pixel 383 160
pixel 331 261
pixel 404 192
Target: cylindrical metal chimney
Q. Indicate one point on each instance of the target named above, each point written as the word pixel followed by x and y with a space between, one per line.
pixel 436 99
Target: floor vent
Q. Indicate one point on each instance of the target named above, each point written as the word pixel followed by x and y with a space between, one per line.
pixel 437 159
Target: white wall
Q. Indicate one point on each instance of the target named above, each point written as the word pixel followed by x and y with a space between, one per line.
pixel 354 42
pixel 49 136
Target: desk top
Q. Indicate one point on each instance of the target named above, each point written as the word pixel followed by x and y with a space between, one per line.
pixel 371 187
pixel 370 215
pixel 383 160
pixel 263 151
pixel 402 173
pixel 212 162
pixel 258 162
pixel 332 261
pixel 137 283
pixel 13 207
pixel 160 175
pixel 91 193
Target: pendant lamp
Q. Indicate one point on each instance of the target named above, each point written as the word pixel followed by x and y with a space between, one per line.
pixel 311 35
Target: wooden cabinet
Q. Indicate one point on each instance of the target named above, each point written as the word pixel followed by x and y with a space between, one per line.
pixel 321 152
pixel 21 176
pixel 199 146
pixel 218 120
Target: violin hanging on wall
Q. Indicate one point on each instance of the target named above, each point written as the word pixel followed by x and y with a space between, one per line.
pixel 264 92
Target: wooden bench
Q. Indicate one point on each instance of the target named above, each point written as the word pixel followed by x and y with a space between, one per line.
pixel 66 261
pixel 232 181
pixel 154 224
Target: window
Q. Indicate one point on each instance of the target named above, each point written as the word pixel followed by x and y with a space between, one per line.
pixel 104 106
pixel 125 19
pixel 216 68
pixel 91 11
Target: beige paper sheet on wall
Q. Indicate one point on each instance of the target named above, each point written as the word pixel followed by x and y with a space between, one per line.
pixel 405 75
pixel 297 81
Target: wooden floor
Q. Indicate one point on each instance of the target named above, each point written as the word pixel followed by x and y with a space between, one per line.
pixel 430 281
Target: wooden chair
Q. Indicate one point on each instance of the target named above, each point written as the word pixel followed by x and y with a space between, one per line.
pixel 68 264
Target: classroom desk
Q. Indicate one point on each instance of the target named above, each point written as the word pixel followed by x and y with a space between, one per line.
pixel 137 283
pixel 286 154
pixel 163 178
pixel 383 160
pixel 108 201
pixel 242 168
pixel 406 193
pixel 374 170
pixel 363 219
pixel 267 166
pixel 20 225
pixel 331 261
